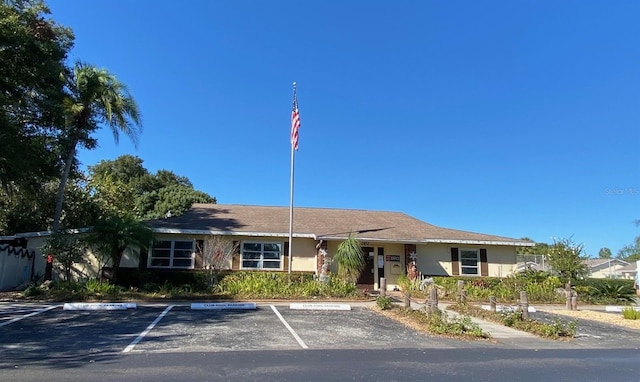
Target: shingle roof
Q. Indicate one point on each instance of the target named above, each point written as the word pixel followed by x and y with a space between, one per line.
pixel 632 267
pixel 592 263
pixel 319 223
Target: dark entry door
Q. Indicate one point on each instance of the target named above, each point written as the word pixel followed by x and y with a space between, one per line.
pixel 366 276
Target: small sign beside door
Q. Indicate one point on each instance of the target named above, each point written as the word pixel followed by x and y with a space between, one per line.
pixel 393 258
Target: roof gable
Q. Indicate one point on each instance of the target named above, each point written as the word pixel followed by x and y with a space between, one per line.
pixel 596 263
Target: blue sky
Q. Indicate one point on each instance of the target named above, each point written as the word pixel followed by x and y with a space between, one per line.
pixel 509 118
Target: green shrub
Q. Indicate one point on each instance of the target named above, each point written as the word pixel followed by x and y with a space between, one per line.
pixel 510 317
pixel 32 291
pixel 132 277
pixel 97 288
pixel 630 313
pixel 383 302
pixel 609 291
pixel 283 285
pixel 540 287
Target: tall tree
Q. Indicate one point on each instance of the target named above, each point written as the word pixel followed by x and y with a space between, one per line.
pixel 95 97
pixel 123 185
pixel 32 210
pixel 604 253
pixel 537 249
pixel 33 50
pixel 630 252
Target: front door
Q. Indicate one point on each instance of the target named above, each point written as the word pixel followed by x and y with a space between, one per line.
pixel 366 276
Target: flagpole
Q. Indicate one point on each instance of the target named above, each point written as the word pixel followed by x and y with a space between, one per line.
pixel 291 195
pixel 291 211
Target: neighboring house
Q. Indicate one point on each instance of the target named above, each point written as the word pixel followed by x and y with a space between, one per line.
pixel 605 268
pixel 629 271
pixel 390 241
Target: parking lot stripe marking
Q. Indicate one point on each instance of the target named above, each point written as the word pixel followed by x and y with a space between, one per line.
pixel 293 333
pixel 147 330
pixel 29 315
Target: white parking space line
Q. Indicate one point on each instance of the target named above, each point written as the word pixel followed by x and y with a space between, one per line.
pixel 147 330
pixel 29 315
pixel 293 333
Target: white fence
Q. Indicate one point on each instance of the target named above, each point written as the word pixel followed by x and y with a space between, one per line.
pixel 16 266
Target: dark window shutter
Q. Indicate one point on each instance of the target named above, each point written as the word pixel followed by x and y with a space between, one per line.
pixel 455 262
pixel 285 258
pixel 484 266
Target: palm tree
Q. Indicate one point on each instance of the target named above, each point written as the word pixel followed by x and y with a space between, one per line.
pixel 350 259
pixel 95 97
pixel 112 235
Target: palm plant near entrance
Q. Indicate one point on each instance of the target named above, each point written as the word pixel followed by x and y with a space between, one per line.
pixel 350 259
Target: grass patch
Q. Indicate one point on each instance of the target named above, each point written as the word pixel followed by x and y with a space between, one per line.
pixel 630 313
pixel 437 323
pixel 558 329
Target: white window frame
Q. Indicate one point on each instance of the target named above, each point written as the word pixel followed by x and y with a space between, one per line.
pixel 171 257
pixel 261 260
pixel 469 267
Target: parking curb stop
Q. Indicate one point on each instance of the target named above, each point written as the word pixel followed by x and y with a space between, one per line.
pixel 99 306
pixel 318 306
pixel 223 306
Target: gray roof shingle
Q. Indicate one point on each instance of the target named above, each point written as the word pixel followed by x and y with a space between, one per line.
pixel 319 223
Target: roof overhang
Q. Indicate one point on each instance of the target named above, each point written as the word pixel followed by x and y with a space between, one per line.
pixel 230 233
pixel 480 242
pixel 438 241
pixel 177 231
pixel 28 235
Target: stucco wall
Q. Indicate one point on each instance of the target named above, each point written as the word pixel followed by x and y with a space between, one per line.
pixel 88 268
pixel 304 249
pixel 435 259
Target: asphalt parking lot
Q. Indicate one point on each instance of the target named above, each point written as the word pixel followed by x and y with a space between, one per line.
pixel 47 334
pixel 162 342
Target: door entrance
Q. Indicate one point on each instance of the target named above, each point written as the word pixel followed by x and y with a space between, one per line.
pixel 366 276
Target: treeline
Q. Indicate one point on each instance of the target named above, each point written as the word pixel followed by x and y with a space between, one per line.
pixel 48 109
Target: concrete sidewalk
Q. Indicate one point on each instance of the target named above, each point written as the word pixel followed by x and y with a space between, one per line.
pixel 496 331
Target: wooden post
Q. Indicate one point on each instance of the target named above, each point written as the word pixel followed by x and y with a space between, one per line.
pixel 567 295
pixel 383 286
pixel 524 304
pixel 462 295
pixel 407 299
pixel 574 300
pixel 492 303
pixel 432 305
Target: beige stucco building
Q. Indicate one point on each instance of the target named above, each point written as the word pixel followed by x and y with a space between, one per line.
pixel 391 241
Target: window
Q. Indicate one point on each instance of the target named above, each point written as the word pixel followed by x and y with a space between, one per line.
pixel 261 255
pixel 469 261
pixel 172 254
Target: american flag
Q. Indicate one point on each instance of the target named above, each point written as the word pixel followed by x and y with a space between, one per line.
pixel 295 120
